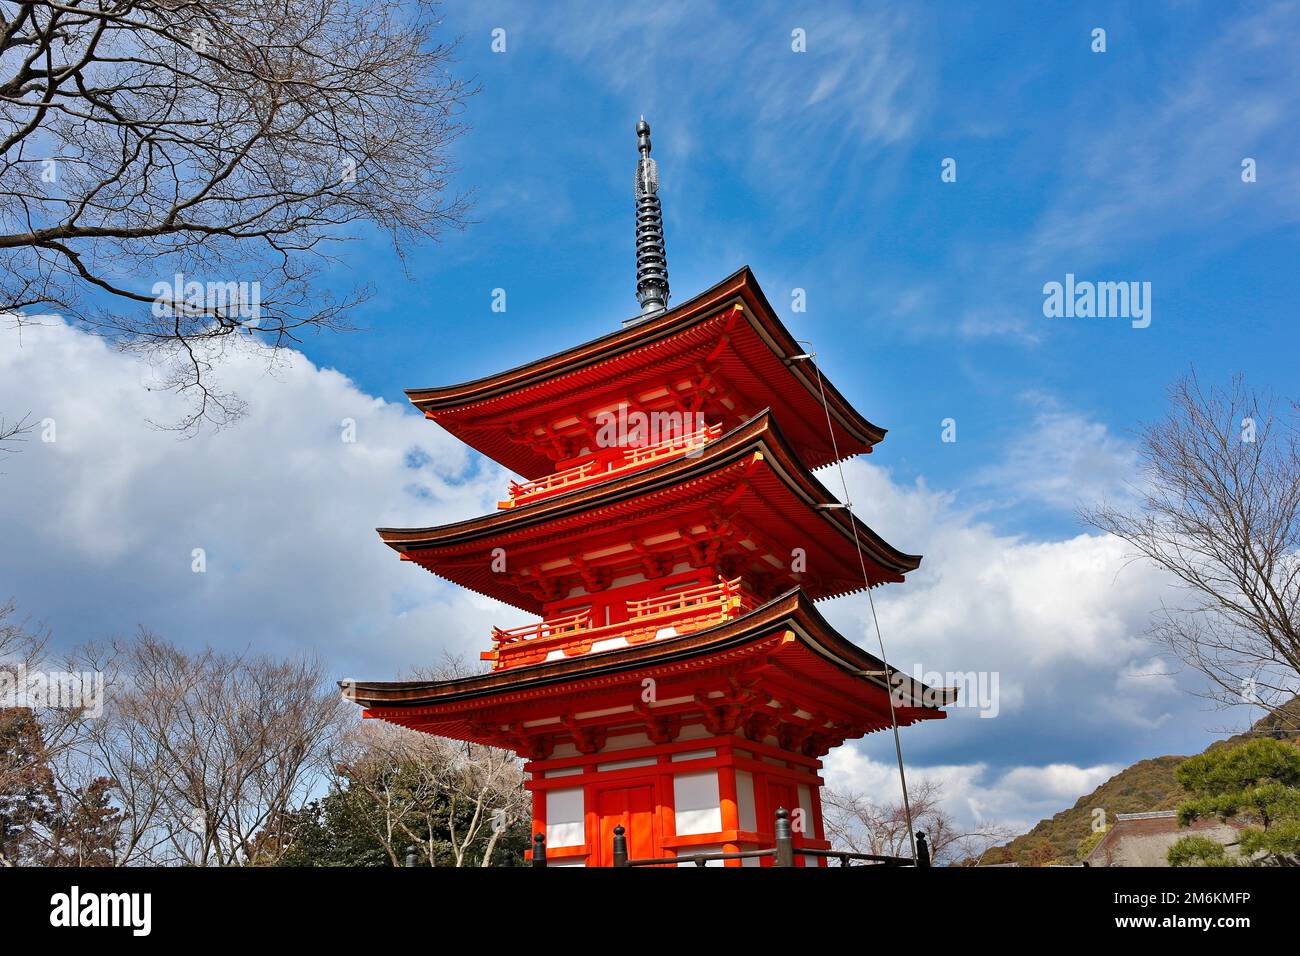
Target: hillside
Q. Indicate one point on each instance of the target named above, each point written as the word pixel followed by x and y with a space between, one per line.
pixel 1147 785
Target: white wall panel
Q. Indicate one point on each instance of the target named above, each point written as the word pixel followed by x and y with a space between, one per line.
pixel 698 806
pixel 625 764
pixel 745 800
pixel 565 821
pixel 693 755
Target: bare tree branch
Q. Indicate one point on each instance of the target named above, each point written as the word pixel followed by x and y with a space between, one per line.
pixel 857 824
pixel 207 752
pixel 12 432
pixel 1220 511
pixel 225 142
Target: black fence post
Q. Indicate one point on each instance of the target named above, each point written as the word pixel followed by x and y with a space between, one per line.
pixel 922 850
pixel 784 840
pixel 412 855
pixel 620 846
pixel 539 849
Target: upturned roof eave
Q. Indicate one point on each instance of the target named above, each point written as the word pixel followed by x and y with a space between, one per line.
pixel 792 610
pixel 466 393
pixel 674 320
pixel 760 430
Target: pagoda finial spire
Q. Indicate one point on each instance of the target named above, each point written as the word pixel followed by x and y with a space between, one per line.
pixel 651 260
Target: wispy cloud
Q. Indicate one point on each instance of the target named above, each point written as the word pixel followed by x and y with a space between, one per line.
pixel 1168 158
pixel 1060 457
pixel 858 88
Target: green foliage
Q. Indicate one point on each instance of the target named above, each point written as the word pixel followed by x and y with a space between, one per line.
pixel 1198 851
pixel 1230 772
pixel 337 830
pixel 1089 843
pixel 1255 783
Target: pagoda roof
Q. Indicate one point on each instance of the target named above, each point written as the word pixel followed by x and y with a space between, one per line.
pixel 783 651
pixel 749 480
pixel 729 336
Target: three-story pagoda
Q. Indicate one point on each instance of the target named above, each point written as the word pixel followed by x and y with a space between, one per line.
pixel 670 537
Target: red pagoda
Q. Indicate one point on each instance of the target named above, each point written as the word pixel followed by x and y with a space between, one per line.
pixel 673 541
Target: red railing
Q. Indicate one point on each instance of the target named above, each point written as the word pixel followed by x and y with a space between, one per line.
pixel 708 595
pixel 554 483
pixel 666 449
pixel 589 472
pixel 531 632
pixel 684 611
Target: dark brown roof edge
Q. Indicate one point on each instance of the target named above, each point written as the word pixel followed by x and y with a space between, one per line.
pixel 743 279
pixel 718 452
pixel 793 608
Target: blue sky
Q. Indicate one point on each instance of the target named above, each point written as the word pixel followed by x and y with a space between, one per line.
pixel 820 170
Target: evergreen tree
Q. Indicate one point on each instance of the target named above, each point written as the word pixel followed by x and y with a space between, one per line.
pixel 29 803
pixel 87 830
pixel 372 825
pixel 1257 784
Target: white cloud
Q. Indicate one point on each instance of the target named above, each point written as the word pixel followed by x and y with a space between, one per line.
pixel 1061 623
pixel 984 600
pixel 101 524
pixel 973 793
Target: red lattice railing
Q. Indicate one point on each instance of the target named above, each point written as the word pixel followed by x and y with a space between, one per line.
pixel 687 610
pixel 589 472
pixel 531 632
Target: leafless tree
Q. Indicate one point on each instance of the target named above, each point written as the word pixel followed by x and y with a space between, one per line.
pixel 14 430
pixel 1219 509
pixel 857 824
pixel 486 781
pixel 223 141
pixel 425 786
pixel 22 647
pixel 489 782
pixel 377 760
pixel 208 751
pixel 130 755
